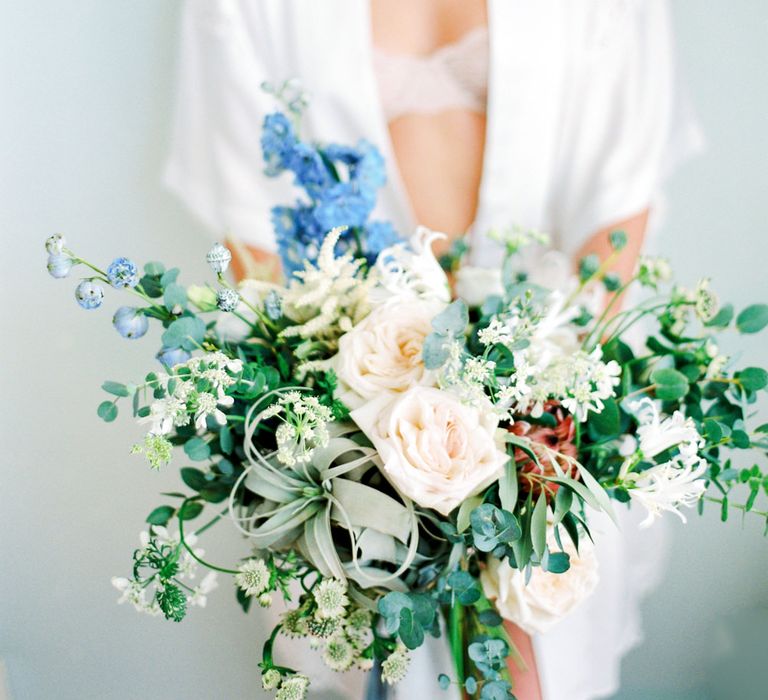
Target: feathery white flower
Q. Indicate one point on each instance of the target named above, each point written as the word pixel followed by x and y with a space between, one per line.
pixel 667 487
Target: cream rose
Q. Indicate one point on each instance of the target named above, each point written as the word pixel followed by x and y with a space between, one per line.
pixel 434 449
pixel 548 597
pixel 382 353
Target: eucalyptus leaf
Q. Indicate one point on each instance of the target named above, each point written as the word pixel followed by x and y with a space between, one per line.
pixel 753 319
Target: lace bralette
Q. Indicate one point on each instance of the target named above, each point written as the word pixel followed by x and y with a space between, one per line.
pixel 455 76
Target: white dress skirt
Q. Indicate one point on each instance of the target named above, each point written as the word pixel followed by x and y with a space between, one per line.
pixel 585 118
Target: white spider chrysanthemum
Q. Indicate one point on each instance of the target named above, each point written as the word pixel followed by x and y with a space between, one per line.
pixel 667 487
pixel 395 666
pixel 253 577
pixel 411 270
pixel 330 596
pixel 655 435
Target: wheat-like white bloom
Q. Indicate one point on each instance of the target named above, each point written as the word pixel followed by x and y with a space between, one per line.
pixel 325 300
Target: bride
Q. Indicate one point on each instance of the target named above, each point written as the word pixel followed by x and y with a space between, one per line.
pixel 549 114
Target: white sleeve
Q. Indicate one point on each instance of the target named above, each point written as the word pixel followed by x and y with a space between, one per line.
pixel 628 124
pixel 215 163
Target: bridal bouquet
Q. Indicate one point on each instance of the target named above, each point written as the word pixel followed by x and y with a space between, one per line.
pixel 402 464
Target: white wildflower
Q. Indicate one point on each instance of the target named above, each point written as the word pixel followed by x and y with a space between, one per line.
pixel 293 688
pixel 253 577
pixel 339 654
pixel 411 271
pixel 199 596
pixel 270 679
pixel 330 596
pixel 667 487
pixel 304 426
pixel 706 303
pixel 657 435
pixel 395 666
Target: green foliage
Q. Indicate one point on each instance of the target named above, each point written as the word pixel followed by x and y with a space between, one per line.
pixel 408 615
pixel 618 239
pixel 107 411
pixel 197 449
pixel 670 384
pixel 186 332
pixel 161 515
pixel 753 319
pixel 492 526
pixel 172 602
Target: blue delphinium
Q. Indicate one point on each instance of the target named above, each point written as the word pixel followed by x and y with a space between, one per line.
pixel 341 184
pixel 122 273
pixel 278 140
pixel 130 322
pixel 89 295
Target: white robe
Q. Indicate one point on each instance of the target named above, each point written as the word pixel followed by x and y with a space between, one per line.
pixel 586 117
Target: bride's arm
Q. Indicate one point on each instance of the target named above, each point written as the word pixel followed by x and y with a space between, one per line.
pixel 599 244
pixel 253 263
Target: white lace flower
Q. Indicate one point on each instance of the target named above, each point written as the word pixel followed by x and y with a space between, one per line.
pixel 199 596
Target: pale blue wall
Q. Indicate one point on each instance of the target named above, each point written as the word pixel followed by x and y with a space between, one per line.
pixel 85 97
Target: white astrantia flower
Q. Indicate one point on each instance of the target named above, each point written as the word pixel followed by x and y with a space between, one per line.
pixel 330 596
pixel 293 688
pixel 183 403
pixel 395 666
pixel 538 604
pixel 339 654
pixel 253 577
pixel 410 271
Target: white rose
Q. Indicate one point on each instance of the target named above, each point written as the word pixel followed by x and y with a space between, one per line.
pixel 382 353
pixel 475 284
pixel 434 449
pixel 548 597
